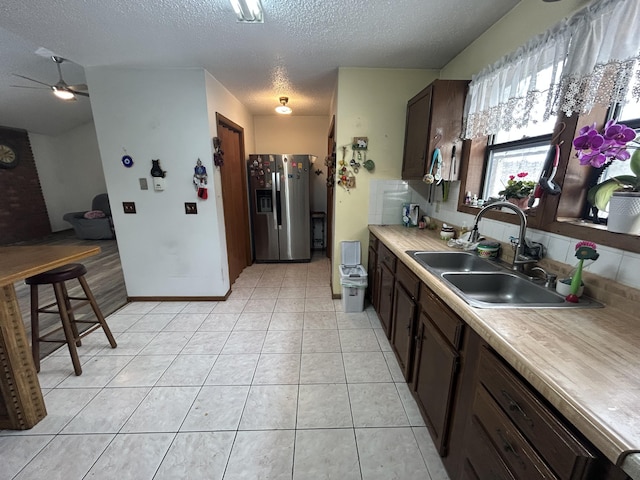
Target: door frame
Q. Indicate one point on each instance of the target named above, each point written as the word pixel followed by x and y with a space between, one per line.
pixel 331 153
pixel 223 121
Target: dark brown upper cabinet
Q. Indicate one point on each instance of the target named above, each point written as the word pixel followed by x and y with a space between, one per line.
pixel 434 120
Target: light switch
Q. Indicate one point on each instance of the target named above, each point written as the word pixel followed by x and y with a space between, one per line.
pixel 143 184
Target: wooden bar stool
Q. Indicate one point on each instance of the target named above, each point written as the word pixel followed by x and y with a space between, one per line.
pixel 57 277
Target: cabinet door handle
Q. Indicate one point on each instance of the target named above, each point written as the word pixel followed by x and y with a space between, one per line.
pixel 515 407
pixel 507 447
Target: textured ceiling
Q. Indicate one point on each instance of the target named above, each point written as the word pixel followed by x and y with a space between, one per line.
pixel 296 52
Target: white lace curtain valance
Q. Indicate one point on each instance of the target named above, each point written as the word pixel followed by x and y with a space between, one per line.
pixel 590 58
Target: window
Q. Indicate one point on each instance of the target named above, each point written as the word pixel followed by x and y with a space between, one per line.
pixel 520 149
pixel 511 158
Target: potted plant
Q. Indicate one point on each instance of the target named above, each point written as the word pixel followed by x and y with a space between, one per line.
pixel 518 190
pixel 619 195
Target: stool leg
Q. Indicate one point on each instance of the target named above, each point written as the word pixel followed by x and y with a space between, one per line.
pixel 96 310
pixel 72 318
pixel 66 325
pixel 35 327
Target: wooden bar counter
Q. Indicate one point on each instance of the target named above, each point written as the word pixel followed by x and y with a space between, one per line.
pixel 21 402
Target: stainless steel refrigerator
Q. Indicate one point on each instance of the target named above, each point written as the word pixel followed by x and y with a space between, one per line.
pixel 279 199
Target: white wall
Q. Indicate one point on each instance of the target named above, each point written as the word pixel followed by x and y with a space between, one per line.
pixel 70 171
pixel 298 134
pixel 162 114
pixel 220 100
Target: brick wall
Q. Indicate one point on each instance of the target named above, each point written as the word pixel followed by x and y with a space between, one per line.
pixel 23 213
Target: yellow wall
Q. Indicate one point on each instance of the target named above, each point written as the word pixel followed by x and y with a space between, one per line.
pixel 370 103
pixel 526 20
pixel 297 134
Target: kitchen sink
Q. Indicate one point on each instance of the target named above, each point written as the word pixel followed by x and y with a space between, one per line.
pixel 454 261
pixel 480 289
pixel 486 283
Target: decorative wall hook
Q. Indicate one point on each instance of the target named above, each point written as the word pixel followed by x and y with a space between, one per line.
pixel 218 161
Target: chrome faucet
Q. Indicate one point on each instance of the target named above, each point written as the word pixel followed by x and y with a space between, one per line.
pixel 519 258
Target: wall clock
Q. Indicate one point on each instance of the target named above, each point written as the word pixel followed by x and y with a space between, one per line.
pixel 8 156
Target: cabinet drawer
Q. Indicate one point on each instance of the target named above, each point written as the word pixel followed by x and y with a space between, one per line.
pixel 515 450
pixel 408 280
pixel 565 453
pixel 442 316
pixel 482 461
pixel 386 257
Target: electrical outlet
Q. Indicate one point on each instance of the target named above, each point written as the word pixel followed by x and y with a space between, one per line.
pixel 190 208
pixel 129 207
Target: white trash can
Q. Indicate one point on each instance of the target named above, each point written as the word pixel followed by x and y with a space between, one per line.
pixel 353 277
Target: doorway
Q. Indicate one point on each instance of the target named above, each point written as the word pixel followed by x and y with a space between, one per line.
pixel 234 196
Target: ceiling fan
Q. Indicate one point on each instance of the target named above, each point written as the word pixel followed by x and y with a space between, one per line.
pixel 61 89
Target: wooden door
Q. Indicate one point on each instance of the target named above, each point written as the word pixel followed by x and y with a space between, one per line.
pixel 234 196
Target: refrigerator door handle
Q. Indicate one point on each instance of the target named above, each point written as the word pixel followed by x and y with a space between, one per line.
pixel 275 204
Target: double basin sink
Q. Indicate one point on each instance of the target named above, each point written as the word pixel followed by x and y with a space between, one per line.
pixel 485 283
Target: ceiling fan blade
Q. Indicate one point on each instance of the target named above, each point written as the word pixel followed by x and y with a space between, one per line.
pixel 82 94
pixel 80 86
pixel 32 80
pixel 35 88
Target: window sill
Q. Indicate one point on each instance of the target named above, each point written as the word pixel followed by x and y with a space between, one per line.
pixel 579 229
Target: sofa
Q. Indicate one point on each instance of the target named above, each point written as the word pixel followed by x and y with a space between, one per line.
pixel 94 224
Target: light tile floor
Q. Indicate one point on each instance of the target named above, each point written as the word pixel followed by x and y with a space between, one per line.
pixel 275 383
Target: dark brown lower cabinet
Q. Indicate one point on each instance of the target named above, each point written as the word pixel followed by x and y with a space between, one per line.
pixel 434 379
pixel 386 283
pixel 486 421
pixel 481 459
pixel 372 265
pixel 404 314
pixel 405 308
pixel 524 438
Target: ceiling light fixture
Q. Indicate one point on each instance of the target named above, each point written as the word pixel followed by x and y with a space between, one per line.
pixel 63 94
pixel 248 11
pixel 282 108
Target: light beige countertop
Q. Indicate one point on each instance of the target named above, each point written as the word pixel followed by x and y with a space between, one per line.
pixel 585 362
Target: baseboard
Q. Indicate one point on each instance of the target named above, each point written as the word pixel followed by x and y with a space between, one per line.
pixel 178 299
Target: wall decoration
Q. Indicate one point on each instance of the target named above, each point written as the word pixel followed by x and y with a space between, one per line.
pixel 360 143
pixel 218 161
pixel 156 171
pixel 127 161
pixel 200 180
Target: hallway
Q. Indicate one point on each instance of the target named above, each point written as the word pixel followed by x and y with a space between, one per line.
pixel 275 383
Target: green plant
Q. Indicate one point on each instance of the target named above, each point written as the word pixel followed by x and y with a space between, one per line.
pixel 600 195
pixel 600 150
pixel 517 187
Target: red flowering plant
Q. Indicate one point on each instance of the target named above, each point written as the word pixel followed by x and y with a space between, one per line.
pixel 601 149
pixel 517 187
